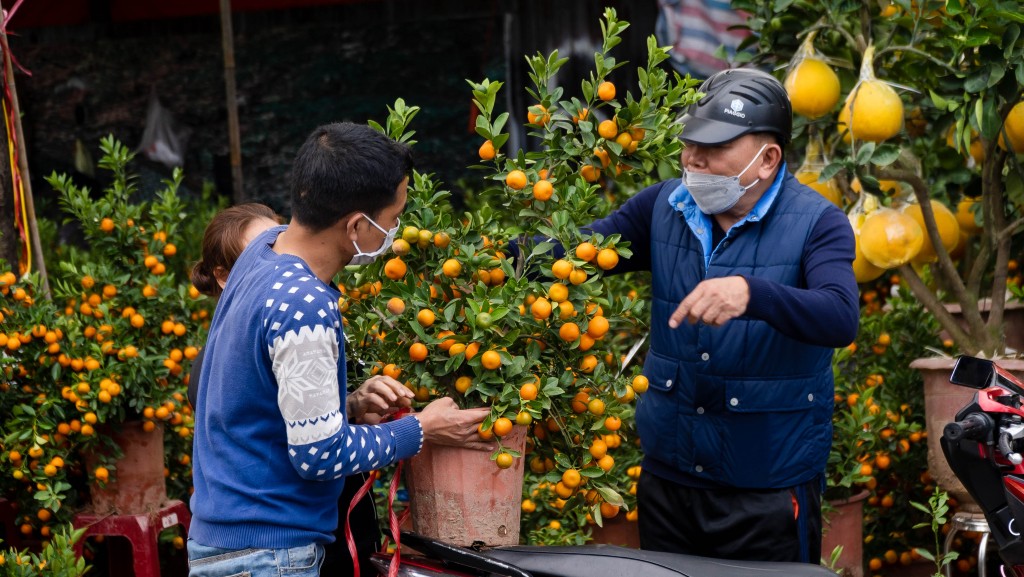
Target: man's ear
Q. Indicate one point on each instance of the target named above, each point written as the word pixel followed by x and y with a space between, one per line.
pixel 348 223
pixel 771 161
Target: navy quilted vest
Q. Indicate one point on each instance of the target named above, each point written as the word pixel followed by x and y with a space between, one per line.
pixel 739 405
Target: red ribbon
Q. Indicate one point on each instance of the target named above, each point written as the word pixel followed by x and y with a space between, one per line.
pixel 8 14
pixel 394 522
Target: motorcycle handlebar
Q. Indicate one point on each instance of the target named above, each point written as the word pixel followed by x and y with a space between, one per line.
pixel 976 426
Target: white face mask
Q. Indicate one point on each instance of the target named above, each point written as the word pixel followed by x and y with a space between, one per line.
pixel 368 257
pixel 716 194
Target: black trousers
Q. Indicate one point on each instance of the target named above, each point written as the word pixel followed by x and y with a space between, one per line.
pixel 365 532
pixel 740 524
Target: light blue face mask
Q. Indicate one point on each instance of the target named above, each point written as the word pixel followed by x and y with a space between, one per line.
pixel 716 194
pixel 361 257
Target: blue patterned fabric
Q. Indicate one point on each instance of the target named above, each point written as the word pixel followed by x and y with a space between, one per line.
pixel 272 442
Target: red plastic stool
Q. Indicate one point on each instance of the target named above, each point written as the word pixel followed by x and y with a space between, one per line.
pixel 141 530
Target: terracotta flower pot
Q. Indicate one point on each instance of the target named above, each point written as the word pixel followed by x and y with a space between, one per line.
pixel 137 484
pixel 942 401
pixel 845 526
pixel 1013 321
pixel 460 496
pixel 617 531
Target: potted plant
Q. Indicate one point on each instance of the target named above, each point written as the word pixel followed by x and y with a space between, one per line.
pixel 537 338
pixel 104 360
pixel 924 127
pixel 56 559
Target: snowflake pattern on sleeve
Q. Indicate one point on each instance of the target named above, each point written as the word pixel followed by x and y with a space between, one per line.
pixel 302 325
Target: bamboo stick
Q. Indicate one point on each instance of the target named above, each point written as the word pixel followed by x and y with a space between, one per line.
pixel 37 247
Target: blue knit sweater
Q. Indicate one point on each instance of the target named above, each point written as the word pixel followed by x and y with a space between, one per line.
pixel 272 442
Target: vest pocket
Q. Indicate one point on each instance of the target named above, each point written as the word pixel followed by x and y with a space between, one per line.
pixel 662 372
pixel 772 395
pixel 657 417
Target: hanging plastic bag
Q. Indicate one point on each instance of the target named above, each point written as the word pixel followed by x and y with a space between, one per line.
pixel 812 85
pixel 889 238
pixel 873 110
pixel 809 172
pixel 161 141
pixel 863 269
pixel 83 159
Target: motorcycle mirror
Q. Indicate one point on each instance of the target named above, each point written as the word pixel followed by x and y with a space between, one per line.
pixel 972 372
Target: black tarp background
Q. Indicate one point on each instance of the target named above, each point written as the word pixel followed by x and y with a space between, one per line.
pixel 297 68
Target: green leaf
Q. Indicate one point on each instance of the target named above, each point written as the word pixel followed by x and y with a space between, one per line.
pixel 939 102
pixel 998 70
pixel 563 461
pixel 924 553
pixel 977 81
pixel 499 122
pixel 1015 16
pixel 885 155
pixel 611 497
pixel 921 507
pixel 864 153
pixel 831 170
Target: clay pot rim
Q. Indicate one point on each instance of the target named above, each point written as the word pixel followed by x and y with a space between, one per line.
pixel 984 305
pixel 864 494
pixel 946 363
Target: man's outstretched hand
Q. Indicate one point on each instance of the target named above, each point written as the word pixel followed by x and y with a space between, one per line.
pixel 714 302
pixel 445 424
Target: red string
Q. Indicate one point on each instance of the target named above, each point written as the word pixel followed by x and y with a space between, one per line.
pixel 393 522
pixel 350 540
pixel 12 138
pixel 8 14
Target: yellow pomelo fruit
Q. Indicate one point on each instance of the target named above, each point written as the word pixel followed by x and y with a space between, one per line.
pixel 949 229
pixel 965 216
pixel 863 270
pixel 813 88
pixel 865 205
pixel 1014 129
pixel 829 189
pixel 873 111
pixel 890 238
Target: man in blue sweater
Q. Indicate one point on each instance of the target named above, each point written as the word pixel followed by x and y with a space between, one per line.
pixel 275 433
pixel 752 288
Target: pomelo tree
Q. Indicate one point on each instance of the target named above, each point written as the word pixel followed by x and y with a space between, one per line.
pixel 918 105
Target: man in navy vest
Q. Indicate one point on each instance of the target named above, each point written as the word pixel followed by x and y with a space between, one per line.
pixel 752 289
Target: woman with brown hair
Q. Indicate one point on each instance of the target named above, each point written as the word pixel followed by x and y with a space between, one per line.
pixel 227 235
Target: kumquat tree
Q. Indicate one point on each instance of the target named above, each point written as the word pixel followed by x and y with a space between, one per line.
pixel 111 345
pixel 509 305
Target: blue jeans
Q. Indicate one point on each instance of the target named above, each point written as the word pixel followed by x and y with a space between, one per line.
pixel 303 561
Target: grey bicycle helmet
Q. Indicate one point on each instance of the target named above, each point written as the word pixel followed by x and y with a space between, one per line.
pixel 738 101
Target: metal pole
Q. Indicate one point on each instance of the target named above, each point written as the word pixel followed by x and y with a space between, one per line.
pixel 234 136
pixel 26 182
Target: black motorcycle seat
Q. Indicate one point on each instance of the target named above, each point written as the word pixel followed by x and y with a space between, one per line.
pixel 613 561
